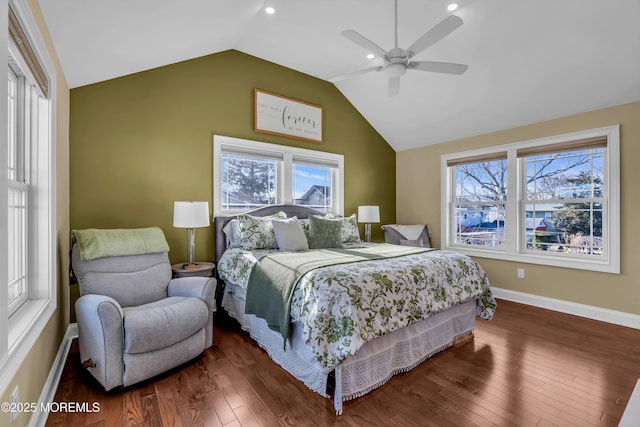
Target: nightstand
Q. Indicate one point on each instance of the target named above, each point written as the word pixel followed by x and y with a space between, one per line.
pixel 203 269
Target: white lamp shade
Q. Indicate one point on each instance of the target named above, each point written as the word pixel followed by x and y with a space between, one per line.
pixel 191 214
pixel 368 214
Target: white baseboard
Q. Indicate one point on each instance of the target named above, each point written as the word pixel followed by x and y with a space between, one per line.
pixel 39 418
pixel 590 312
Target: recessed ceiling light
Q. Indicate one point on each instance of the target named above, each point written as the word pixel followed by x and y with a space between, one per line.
pixel 452 7
pixel 370 56
pixel 270 10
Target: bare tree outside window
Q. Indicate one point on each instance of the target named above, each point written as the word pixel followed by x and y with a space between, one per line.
pixel 481 194
pixel 563 206
pixel 248 182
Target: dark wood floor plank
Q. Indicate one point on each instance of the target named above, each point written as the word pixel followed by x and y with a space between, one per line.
pixel 149 406
pixel 207 417
pixel 134 413
pixel 200 374
pixel 433 408
pixel 245 416
pixel 248 394
pixel 230 392
pixel 114 408
pixel 286 399
pixel 191 400
pixel 167 405
pixel 223 410
pixel 483 392
pixel 526 367
pixel 468 400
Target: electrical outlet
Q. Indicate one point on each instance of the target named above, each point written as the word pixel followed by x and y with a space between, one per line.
pixel 15 399
pixel 521 273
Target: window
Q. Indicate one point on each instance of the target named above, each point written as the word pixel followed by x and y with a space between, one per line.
pixel 27 187
pixel 480 198
pixel 312 185
pixel 564 201
pixel 248 181
pixel 552 201
pixel 18 188
pixel 250 174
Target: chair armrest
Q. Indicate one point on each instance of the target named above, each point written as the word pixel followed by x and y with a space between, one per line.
pixel 198 287
pixel 101 337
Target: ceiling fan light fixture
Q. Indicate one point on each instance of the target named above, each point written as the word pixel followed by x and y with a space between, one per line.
pixel 270 10
pixel 395 69
pixel 452 7
pixel 370 56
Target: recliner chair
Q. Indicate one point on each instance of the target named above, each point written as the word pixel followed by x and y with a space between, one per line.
pixel 408 235
pixel 134 320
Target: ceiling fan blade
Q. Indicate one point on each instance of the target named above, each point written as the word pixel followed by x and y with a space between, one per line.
pixel 394 86
pixel 364 42
pixel 438 67
pixel 354 73
pixel 437 33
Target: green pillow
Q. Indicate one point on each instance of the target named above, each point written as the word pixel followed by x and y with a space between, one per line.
pixel 324 233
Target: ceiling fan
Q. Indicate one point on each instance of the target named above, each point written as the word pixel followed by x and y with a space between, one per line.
pixel 397 61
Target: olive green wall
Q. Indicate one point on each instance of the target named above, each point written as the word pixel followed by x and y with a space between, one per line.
pixel 141 141
pixel 421 168
pixel 34 369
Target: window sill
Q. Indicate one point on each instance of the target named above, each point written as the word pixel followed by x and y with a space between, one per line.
pixel 602 266
pixel 24 329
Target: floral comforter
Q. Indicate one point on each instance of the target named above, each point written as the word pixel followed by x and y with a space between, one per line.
pixel 343 306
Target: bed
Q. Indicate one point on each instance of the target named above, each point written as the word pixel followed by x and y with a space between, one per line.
pixel 345 319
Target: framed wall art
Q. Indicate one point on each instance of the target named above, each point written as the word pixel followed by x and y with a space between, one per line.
pixel 279 115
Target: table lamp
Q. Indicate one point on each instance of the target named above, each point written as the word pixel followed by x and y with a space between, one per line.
pixel 368 214
pixel 190 215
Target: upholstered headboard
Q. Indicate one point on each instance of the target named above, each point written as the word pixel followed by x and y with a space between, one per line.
pixel 220 221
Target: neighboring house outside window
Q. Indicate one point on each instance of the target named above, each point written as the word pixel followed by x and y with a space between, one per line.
pixel 552 201
pixel 317 196
pixel 251 174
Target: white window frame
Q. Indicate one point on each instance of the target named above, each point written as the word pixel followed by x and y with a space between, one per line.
pixel 17 182
pixel 289 156
pixel 515 247
pixel 20 330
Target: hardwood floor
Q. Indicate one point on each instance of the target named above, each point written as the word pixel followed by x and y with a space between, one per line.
pixel 526 367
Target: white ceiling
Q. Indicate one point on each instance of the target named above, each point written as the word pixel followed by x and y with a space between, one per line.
pixel 529 60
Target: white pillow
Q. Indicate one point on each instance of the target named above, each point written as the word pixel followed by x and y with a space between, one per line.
pixel 289 234
pixel 232 232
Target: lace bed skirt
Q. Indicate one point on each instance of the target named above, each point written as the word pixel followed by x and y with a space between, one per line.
pixel 374 364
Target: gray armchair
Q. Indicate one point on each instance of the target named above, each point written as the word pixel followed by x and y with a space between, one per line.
pixel 408 235
pixel 134 321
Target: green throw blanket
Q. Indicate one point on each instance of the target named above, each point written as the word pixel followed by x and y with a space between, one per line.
pixel 274 277
pixel 95 243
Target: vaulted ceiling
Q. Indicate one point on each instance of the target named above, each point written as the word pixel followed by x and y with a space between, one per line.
pixel 529 60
